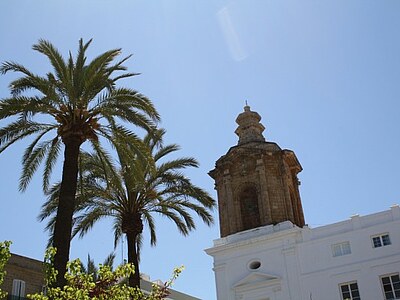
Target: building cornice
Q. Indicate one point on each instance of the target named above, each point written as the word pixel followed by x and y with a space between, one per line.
pixel 254 236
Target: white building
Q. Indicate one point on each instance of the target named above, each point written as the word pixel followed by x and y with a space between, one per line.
pixel 286 260
pixel 355 259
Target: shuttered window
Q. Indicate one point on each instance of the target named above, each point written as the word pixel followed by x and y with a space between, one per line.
pixel 18 288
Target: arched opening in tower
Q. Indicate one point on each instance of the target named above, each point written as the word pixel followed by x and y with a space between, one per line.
pixel 249 210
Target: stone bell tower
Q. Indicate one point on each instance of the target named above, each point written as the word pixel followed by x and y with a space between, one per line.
pixel 256 181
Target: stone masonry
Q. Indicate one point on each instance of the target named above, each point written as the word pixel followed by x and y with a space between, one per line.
pixel 256 181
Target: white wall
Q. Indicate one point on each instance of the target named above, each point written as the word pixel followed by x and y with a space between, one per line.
pixel 297 263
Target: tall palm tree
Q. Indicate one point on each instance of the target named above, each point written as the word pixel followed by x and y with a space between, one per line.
pixel 133 191
pixel 77 102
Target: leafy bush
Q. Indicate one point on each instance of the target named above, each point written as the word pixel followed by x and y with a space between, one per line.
pixel 4 256
pixel 109 285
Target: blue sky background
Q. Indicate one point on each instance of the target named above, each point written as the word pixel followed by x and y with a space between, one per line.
pixel 324 76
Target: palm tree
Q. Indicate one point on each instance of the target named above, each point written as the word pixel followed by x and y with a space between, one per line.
pixel 93 270
pixel 77 102
pixel 133 192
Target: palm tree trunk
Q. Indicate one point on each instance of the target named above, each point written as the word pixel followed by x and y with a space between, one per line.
pixel 65 210
pixel 134 279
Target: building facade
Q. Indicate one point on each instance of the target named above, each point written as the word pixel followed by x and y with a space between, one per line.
pixel 266 252
pixel 23 276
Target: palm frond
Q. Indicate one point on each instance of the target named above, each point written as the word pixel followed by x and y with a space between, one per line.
pixel 97 76
pixel 118 66
pixel 139 244
pixel 164 151
pixel 26 107
pixel 19 130
pixel 117 228
pixel 54 56
pixel 109 261
pixel 50 162
pixel 49 207
pixel 182 228
pixel 30 165
pixel 88 219
pixel 154 139
pixel 125 102
pixel 91 268
pixel 177 164
pixel 149 220
pixel 181 212
pixel 14 67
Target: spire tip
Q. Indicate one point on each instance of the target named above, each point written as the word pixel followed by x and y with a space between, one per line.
pixel 247 107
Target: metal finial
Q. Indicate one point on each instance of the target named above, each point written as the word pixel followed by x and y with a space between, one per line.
pixel 247 107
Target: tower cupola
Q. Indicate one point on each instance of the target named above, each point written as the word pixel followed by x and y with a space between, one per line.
pixel 250 129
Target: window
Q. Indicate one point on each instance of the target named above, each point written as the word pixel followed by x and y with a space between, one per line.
pixel 391 286
pixel 341 249
pixel 381 240
pixel 44 290
pixel 18 288
pixel 350 291
pixel 254 265
pixel 249 208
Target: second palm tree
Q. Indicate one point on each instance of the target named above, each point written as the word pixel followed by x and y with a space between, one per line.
pixel 133 191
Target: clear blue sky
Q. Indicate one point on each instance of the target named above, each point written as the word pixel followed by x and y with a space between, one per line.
pixel 324 75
